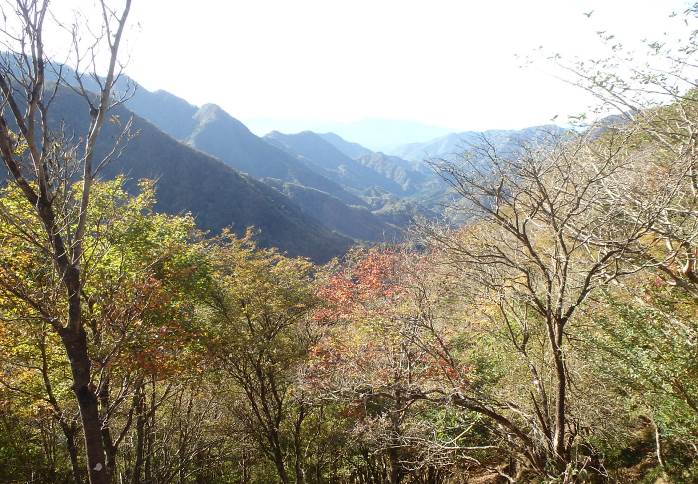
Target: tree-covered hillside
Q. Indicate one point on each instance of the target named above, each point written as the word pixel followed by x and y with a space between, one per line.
pixel 545 332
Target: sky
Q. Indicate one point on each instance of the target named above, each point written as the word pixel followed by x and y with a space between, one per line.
pixel 446 63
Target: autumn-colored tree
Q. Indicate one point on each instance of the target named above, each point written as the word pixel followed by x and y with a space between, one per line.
pixel 257 336
pixel 140 270
pixel 392 359
pixel 43 166
pixel 650 95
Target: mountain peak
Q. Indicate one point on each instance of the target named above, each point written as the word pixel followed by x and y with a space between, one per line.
pixel 352 150
pixel 213 115
pixel 211 111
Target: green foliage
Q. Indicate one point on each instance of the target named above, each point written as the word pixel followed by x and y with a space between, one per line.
pixel 650 346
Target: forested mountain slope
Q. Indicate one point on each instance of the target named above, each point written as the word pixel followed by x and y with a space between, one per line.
pixel 219 134
pixel 215 132
pixel 191 181
pixel 356 222
pixel 314 151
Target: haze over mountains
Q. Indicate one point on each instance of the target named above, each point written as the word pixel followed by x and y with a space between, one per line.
pixel 311 194
pixel 350 189
pixel 454 144
pixel 375 134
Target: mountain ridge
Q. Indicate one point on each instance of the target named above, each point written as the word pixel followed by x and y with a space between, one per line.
pixel 454 144
pixel 190 181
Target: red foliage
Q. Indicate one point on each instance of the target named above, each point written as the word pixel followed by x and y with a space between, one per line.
pixel 367 283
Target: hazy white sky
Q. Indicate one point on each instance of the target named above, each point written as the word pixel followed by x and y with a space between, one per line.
pixel 448 63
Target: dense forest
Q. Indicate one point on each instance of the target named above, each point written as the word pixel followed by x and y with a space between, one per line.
pixel 551 335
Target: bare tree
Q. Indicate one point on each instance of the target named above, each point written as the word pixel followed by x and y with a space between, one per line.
pixel 655 91
pixel 45 165
pixel 542 237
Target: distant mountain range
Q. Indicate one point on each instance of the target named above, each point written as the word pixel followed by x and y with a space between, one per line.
pixel 308 194
pixel 213 131
pixel 352 150
pixel 455 144
pixel 219 134
pixel 322 156
pixel 375 134
pixel 317 177
pixel 357 193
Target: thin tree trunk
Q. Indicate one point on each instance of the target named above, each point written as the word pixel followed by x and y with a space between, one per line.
pixel 658 443
pixel 109 447
pixel 140 426
pixel 245 471
pixel 297 444
pixel 560 404
pixel 279 463
pixel 395 470
pixel 69 430
pixel 69 433
pixel 149 436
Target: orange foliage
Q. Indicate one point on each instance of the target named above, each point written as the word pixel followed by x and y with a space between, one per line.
pixel 359 287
